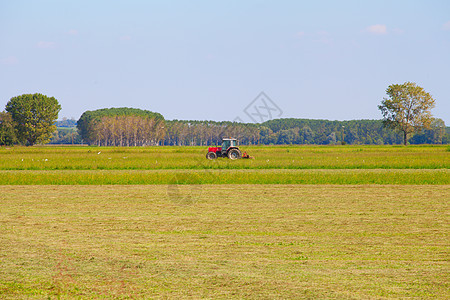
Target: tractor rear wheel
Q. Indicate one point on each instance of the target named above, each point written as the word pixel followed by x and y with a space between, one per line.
pixel 211 155
pixel 234 154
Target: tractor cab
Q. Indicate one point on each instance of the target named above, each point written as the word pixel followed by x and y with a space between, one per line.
pixel 227 143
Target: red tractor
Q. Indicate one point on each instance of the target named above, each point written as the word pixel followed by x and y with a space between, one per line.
pixel 229 149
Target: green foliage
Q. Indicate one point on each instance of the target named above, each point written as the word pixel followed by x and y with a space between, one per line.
pixel 66 136
pixel 191 133
pixel 272 132
pixel 295 131
pixel 324 132
pixel 434 135
pixel 407 109
pixel 288 131
pixel 7 131
pixel 67 123
pixel 121 127
pixel 34 116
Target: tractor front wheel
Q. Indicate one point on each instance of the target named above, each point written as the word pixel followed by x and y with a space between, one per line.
pixel 211 155
pixel 234 154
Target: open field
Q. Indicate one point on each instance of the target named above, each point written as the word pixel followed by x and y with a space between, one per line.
pixel 266 157
pixel 188 165
pixel 164 222
pixel 135 177
pixel 230 241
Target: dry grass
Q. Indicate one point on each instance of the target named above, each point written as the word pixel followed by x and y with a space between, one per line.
pixel 224 241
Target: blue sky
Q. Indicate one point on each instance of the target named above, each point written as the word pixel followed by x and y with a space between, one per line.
pixel 210 59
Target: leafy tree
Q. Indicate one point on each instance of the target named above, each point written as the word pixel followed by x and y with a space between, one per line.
pixel 65 135
pixel 308 134
pixel 407 109
pixel 287 136
pixel 68 123
pixel 7 132
pixel 34 116
pixel 434 135
pixel 331 139
pixel 121 126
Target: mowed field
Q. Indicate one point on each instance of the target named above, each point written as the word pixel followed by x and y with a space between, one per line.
pixel 163 222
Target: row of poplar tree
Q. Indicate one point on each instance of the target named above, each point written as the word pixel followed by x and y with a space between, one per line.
pixel 121 127
pixel 134 127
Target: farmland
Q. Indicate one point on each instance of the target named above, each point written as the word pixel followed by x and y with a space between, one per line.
pixel 234 241
pixel 187 165
pixel 164 222
pixel 266 157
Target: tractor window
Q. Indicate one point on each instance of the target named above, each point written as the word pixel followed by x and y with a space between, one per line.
pixel 233 143
pixel 225 145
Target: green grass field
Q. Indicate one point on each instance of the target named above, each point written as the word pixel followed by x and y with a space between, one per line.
pixel 266 157
pixel 188 165
pixel 359 222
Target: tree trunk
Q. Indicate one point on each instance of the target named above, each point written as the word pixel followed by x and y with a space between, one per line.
pixel 405 138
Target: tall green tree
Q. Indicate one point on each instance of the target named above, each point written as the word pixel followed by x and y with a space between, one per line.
pixel 121 126
pixel 407 108
pixel 7 131
pixel 434 135
pixel 34 116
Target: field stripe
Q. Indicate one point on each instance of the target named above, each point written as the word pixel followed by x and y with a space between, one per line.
pixel 138 177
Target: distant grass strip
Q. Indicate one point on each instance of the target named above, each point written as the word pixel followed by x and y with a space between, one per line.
pixel 140 177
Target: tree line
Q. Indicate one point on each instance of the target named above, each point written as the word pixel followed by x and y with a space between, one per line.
pixel 298 131
pixel 272 132
pixel 324 132
pixel 31 119
pixel 406 110
pixel 203 133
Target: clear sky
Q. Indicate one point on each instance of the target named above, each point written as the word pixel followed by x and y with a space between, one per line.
pixel 208 60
